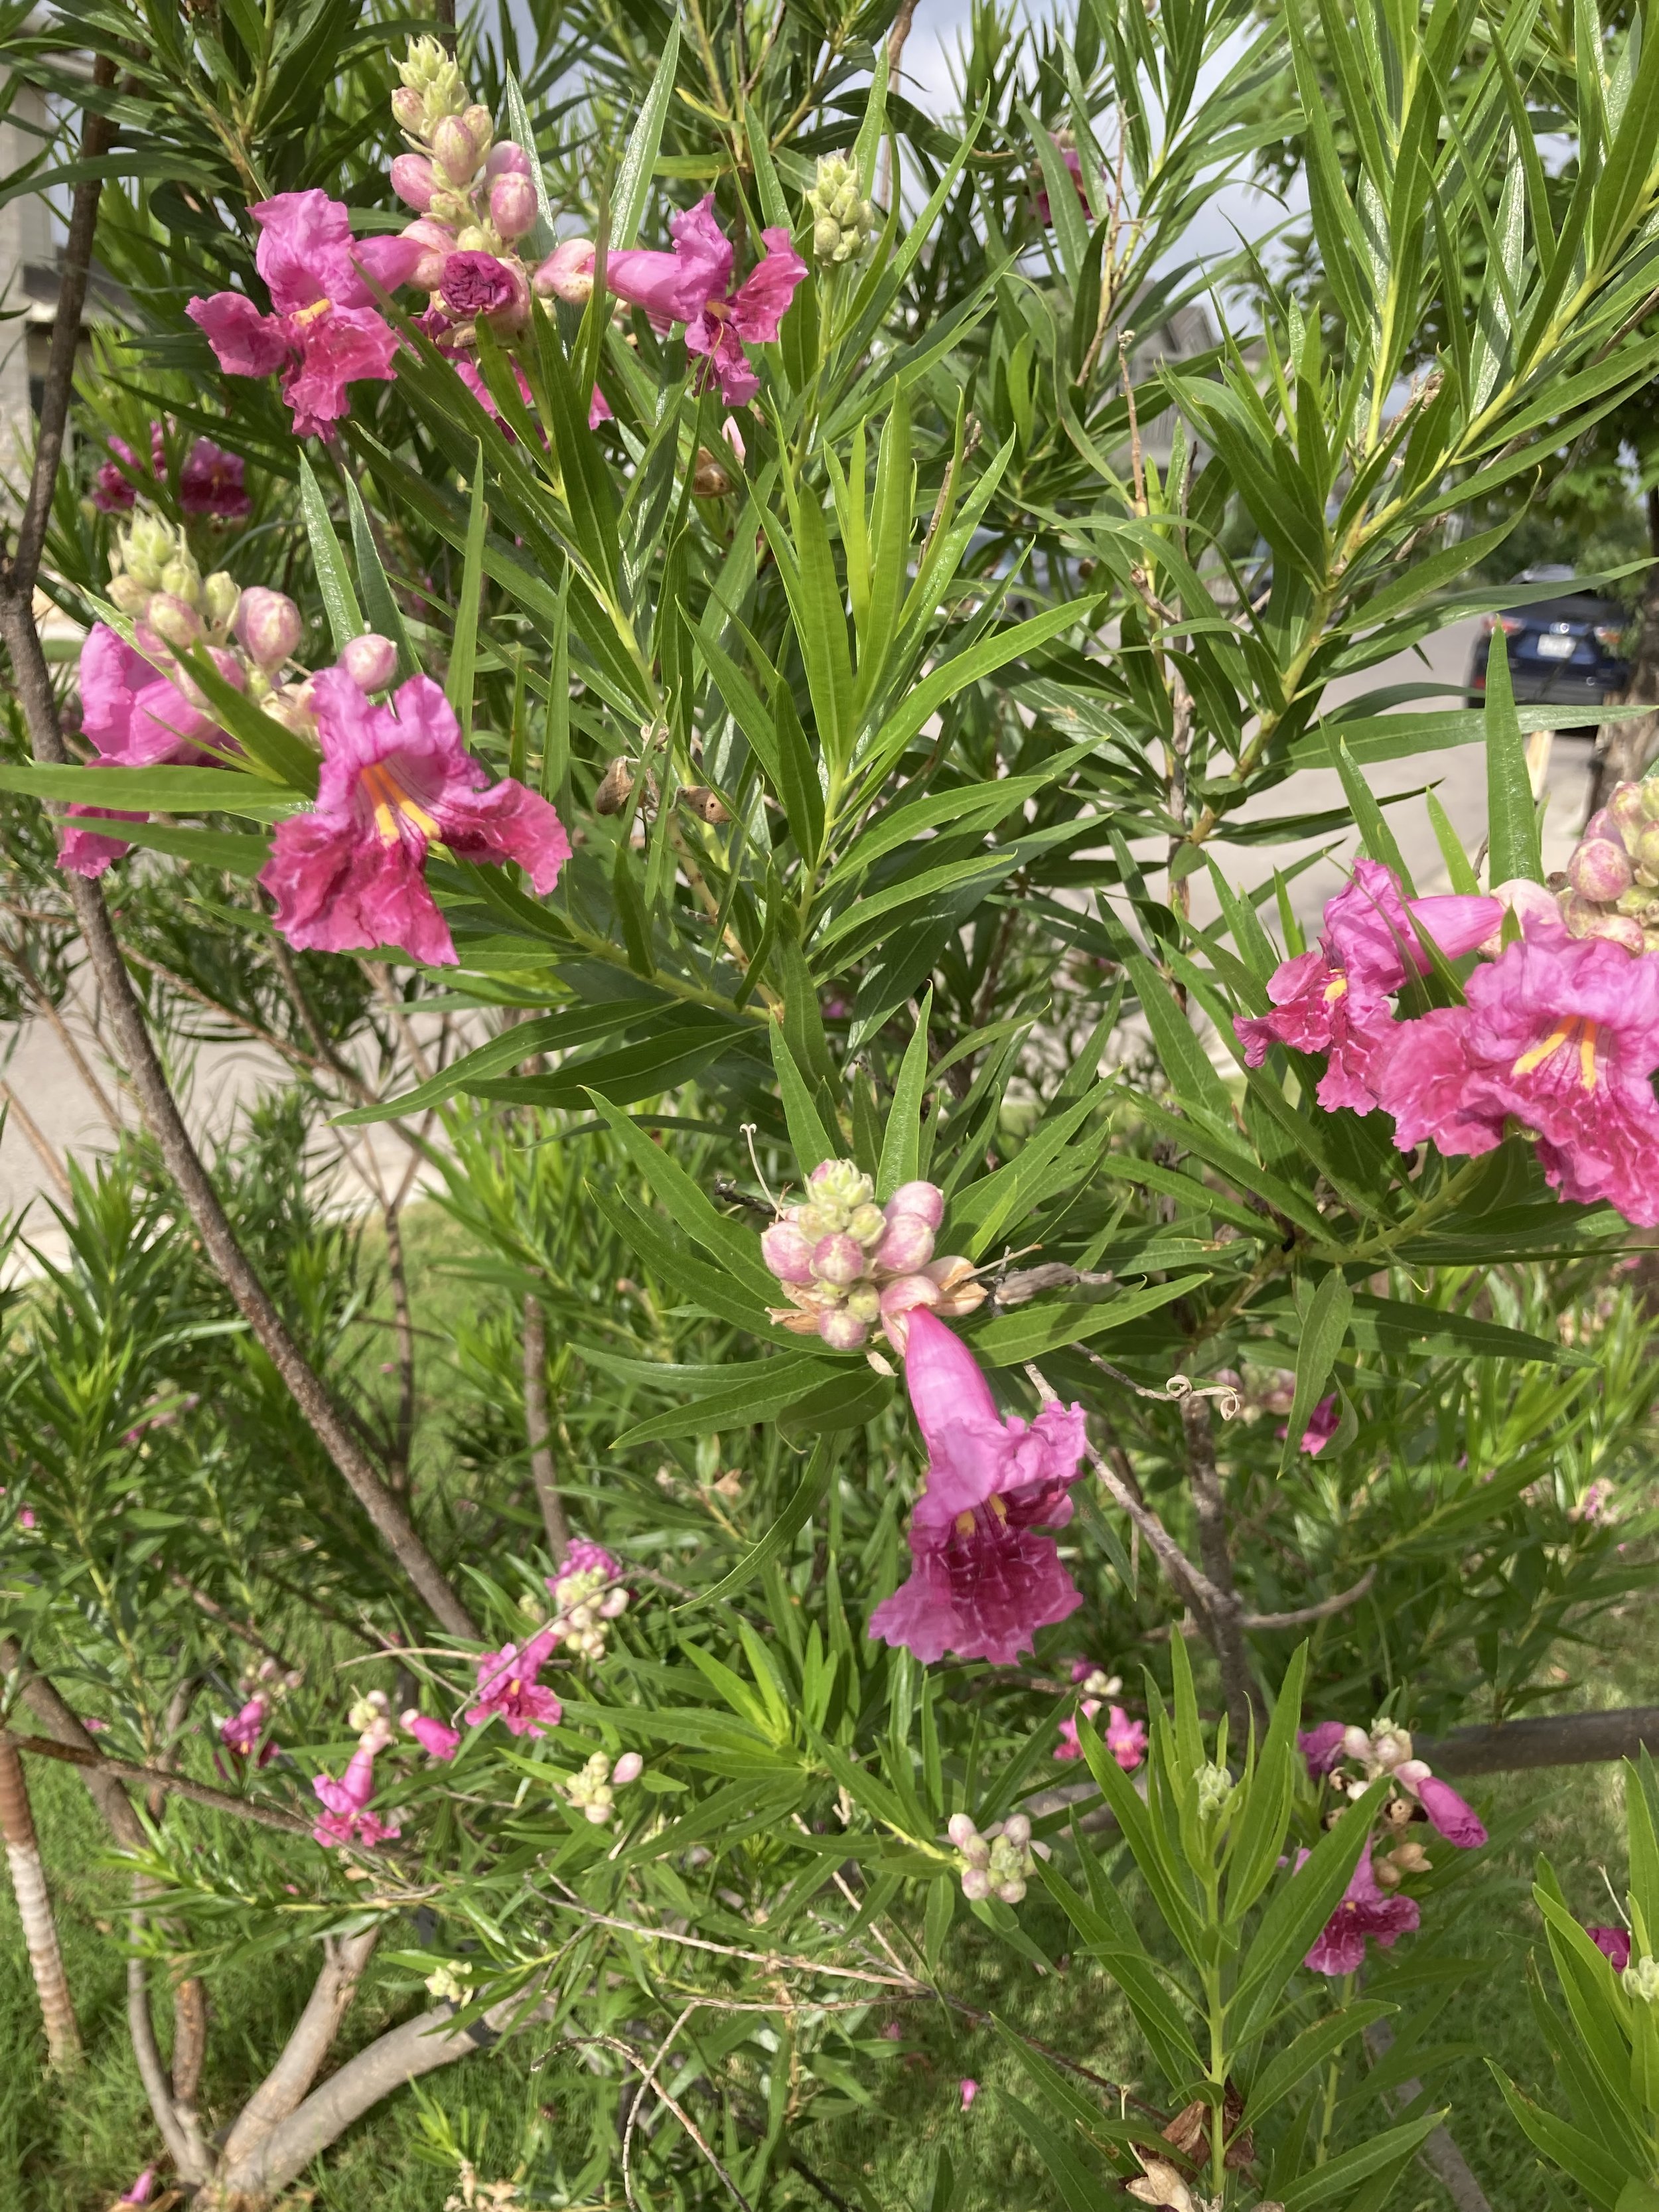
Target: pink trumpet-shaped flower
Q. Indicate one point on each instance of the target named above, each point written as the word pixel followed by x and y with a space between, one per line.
pixel 1613 1944
pixel 325 331
pixel 1322 1747
pixel 692 285
pixel 396 780
pixel 243 1731
pixel 1124 1738
pixel 983 1580
pixel 507 1687
pixel 1334 1000
pixel 436 1738
pixel 1073 162
pixel 345 1817
pixel 1365 1910
pixel 138 2192
pixel 1455 1819
pixel 113 489
pixel 1561 1034
pixel 211 482
pixel 968 2089
pixel 1322 1424
pixel 134 718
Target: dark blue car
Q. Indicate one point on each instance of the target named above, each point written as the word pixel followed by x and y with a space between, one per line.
pixel 1563 649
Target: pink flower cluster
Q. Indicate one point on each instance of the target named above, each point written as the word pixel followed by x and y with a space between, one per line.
pixel 587 1595
pixel 396 780
pixel 1557 1039
pixel 509 1689
pixel 982 1578
pixel 1124 1738
pixel 325 330
pixel 210 482
pixel 1351 1758
pixel 692 285
pixel 345 1817
pixel 846 1263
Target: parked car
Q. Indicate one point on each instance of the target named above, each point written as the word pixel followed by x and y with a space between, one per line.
pixel 1563 649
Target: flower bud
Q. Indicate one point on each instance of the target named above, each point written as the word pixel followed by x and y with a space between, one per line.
pixel 1357 1744
pixel 130 595
pixel 439 242
pixel 812 1221
pixel 508 159
pixel 413 180
pixel 146 546
pixel 1391 1747
pixel 1601 824
pixel 628 1768
pixel 371 661
pixel 513 206
pixel 1641 1979
pixel 976 1884
pixel 454 151
pixel 1624 810
pixel 480 126
pixel 1412 1774
pixel 1600 870
pixel 863 1303
pixel 838 1258
pixel 1619 929
pixel 183 578
pixel 174 621
pixel 908 1244
pixel 842 1331
pixel 1647 794
pixel 1017 1831
pixel 924 1200
pixel 473 238
pixel 568 272
pixel 269 626
pixel 868 1224
pixel 221 596
pixel 1011 1891
pixel 409 111
pixel 787 1253
pixel 844 220
pixel 961 1830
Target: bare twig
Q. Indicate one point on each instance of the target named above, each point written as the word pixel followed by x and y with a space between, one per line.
pixel 1300 1616
pixel 626 2050
pixel 227 1621
pixel 45 1151
pixel 156 1777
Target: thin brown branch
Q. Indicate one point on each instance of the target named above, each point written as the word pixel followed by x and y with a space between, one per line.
pixel 44 1152
pixel 402 1435
pixel 1302 1615
pixel 66 1036
pixel 227 1621
pixel 61 1722
pixel 156 1777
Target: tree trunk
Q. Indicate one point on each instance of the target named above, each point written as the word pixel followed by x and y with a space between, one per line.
pixel 29 1882
pixel 1625 748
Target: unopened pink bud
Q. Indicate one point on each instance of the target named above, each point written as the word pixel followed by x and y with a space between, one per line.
pixel 976 1884
pixel 924 1200
pixel 414 181
pixel 439 242
pixel 838 1258
pixel 841 1331
pixel 1356 1743
pixel 512 207
pixel 961 1830
pixel 1626 810
pixel 1010 1891
pixel 409 110
pixel 371 661
pixel 733 437
pixel 453 150
pixel 1620 929
pixel 908 1244
pixel 507 160
pixel 480 126
pixel 628 1768
pixel 1599 870
pixel 568 272
pixel 435 1737
pixel 787 1253
pixel 268 625
pixel 1601 824
pixel 1017 1830
pixel 613 1604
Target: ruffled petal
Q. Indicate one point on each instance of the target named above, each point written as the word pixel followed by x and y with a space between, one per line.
pixel 246 342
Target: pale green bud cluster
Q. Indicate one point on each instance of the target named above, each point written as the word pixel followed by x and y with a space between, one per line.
pixel 448 1982
pixel 430 74
pixel 1641 1979
pixel 1215 1789
pixel 997 1864
pixel 844 220
pixel 155 580
pixel 593 1790
pixel 1611 884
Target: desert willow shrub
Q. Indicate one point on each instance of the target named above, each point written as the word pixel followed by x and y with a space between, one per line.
pixel 718 705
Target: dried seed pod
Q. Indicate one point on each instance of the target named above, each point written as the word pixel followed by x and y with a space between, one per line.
pixel 615 785
pixel 704 803
pixel 709 479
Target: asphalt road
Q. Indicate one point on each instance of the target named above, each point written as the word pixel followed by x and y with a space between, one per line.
pixel 221 1078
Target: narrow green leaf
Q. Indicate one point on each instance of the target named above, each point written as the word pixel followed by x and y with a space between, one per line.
pixel 1329 1313
pixel 900 1147
pixel 464 643
pixel 1514 849
pixel 345 621
pixel 385 616
pixel 632 190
